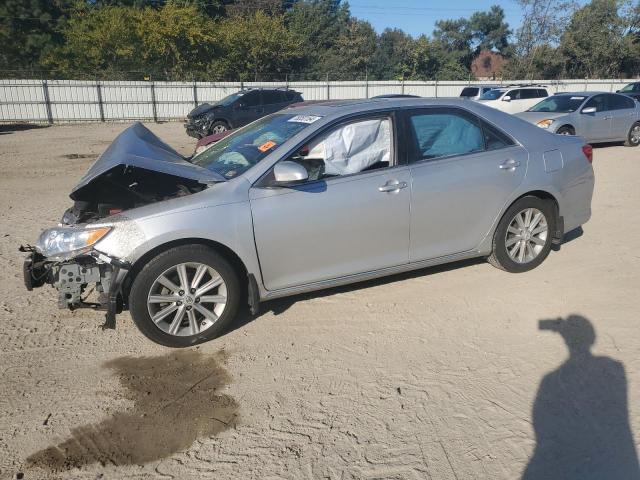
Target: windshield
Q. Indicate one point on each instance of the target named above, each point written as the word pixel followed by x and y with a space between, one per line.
pixel 229 99
pixel 492 95
pixel 559 104
pixel 628 88
pixel 237 153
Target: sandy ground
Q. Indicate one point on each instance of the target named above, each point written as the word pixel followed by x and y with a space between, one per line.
pixel 432 374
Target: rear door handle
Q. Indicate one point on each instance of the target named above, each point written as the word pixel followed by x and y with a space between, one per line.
pixel 509 165
pixel 392 186
pixel 607 118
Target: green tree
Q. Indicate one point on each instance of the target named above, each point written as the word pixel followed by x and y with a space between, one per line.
pixel 29 31
pixel 255 46
pixel 594 43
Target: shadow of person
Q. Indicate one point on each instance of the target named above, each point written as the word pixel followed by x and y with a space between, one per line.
pixel 580 415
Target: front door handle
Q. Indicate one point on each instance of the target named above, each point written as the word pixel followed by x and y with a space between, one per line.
pixel 607 118
pixel 509 165
pixel 392 186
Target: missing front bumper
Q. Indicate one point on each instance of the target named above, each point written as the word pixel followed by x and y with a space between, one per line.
pixel 76 279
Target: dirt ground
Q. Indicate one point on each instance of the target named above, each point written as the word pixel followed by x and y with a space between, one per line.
pixel 434 374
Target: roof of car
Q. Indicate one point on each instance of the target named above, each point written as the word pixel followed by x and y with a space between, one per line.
pixel 582 94
pixel 338 108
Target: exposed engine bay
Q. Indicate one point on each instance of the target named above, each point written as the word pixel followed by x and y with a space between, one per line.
pixel 122 188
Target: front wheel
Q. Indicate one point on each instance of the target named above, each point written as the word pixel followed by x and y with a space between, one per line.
pixel 184 296
pixel 523 238
pixel 633 138
pixel 218 127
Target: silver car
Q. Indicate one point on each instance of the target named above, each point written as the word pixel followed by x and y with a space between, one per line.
pixel 595 116
pixel 305 199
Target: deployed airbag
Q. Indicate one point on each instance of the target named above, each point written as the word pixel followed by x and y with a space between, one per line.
pixel 354 147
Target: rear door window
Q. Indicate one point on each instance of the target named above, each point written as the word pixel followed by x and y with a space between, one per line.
pixel 494 139
pixel 528 93
pixel 270 97
pixel 620 102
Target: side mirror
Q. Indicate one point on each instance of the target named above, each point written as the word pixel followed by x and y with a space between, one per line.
pixel 617 91
pixel 289 173
pixel 239 105
pixel 589 110
pixel 506 98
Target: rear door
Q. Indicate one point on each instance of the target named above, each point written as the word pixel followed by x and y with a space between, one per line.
pixel 272 101
pixel 597 126
pixel 623 115
pixel 462 173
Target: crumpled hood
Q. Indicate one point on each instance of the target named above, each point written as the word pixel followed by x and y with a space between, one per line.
pixel 535 117
pixel 137 146
pixel 200 109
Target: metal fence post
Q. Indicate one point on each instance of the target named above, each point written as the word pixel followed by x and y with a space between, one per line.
pixel 195 94
pixel 153 102
pixel 47 101
pixel 328 88
pixel 100 104
pixel 436 87
pixel 366 87
pixel 402 83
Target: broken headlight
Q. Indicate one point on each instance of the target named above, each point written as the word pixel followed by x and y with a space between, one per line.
pixel 64 243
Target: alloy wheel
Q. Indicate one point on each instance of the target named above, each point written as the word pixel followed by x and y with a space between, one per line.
pixel 219 129
pixel 526 235
pixel 187 299
pixel 635 135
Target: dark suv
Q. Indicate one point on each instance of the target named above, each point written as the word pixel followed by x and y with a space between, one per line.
pixel 632 90
pixel 237 110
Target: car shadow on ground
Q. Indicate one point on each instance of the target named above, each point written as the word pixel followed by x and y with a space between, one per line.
pixel 8 128
pixel 580 413
pixel 281 305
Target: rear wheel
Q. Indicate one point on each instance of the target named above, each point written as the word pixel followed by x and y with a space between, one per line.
pixel 523 238
pixel 184 296
pixel 633 139
pixel 566 130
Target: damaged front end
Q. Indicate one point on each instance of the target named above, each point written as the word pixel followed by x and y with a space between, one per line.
pixel 77 278
pixel 137 169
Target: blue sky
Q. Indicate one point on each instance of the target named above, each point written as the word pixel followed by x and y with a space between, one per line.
pixel 418 16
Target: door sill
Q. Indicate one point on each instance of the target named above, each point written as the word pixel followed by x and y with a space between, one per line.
pixel 360 277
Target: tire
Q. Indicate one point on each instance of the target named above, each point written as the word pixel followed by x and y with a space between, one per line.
pixel 218 126
pixel 190 324
pixel 566 130
pixel 534 252
pixel 633 137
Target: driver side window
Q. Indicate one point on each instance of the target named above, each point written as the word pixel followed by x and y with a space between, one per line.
pixel 347 149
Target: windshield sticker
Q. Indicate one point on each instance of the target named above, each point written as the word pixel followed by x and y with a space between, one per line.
pixel 265 147
pixel 577 98
pixel 304 119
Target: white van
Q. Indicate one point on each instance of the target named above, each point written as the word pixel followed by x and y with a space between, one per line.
pixel 514 99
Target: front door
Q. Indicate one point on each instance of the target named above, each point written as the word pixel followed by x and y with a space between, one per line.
pixel 462 174
pixel 597 126
pixel 350 217
pixel 249 109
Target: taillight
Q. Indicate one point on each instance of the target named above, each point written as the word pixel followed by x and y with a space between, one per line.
pixel 588 152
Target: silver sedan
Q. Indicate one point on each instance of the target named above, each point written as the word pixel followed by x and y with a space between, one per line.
pixel 305 199
pixel 595 116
